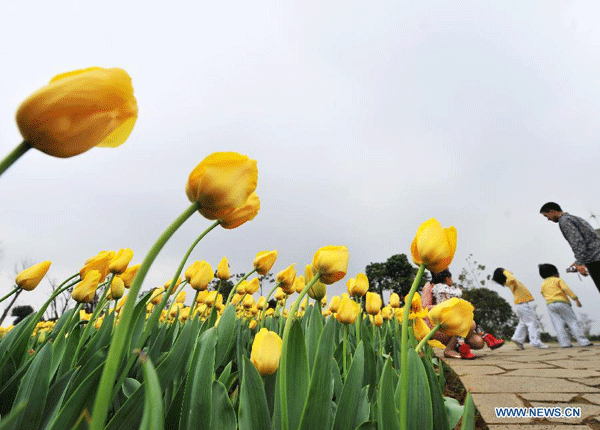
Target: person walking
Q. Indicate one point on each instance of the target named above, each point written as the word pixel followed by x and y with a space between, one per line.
pixel 527 318
pixel 582 237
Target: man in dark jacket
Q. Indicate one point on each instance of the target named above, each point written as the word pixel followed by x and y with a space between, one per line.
pixel 582 237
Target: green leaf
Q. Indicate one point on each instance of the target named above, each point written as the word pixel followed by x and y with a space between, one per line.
pixel 346 417
pixel 254 411
pixel 440 420
pixel 369 425
pixel 468 417
pixel 98 340
pixel 153 418
pixel 296 374
pixel 15 415
pixel 33 389
pixel 222 409
pixel 337 379
pixel 226 334
pixel 320 392
pixel 315 326
pixel 387 414
pixel 130 385
pixel 420 415
pixel 454 411
pixel 56 396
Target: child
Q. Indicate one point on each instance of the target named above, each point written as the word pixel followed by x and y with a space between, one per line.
pixel 527 319
pixel 445 289
pixel 557 294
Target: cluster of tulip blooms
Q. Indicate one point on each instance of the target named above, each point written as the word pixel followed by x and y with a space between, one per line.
pixel 224 362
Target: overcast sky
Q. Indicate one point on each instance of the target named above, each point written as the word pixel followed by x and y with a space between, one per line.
pixel 366 119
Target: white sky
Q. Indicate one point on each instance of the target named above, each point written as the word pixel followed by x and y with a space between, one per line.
pixel 366 118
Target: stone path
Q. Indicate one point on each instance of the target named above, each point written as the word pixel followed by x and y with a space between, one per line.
pixel 548 378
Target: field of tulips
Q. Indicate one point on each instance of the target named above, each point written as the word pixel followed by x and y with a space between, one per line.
pixel 151 362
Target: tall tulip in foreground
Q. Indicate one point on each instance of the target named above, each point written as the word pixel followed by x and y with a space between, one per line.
pixel 76 111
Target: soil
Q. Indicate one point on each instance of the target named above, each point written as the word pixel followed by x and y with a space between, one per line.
pixel 455 389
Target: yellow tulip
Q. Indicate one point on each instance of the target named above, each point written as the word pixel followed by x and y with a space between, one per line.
pixel 120 261
pixel 180 298
pixel 117 288
pixel 99 262
pixel 237 298
pixel 223 269
pixel 204 274
pixel 221 183
pixel 85 290
pixel 416 308
pixel 299 284
pixel 279 294
pixel 252 324
pixel 269 312
pixel 387 312
pixel 318 290
pixel 156 296
pixel 347 311
pixel 30 278
pixel 175 309
pixel 395 300
pixel 191 271
pixel 241 287
pixel 331 262
pixel 248 302
pixel 350 284
pixel 168 284
pixel 334 304
pixel 244 213
pixel 121 303
pixel 373 304
pixel 128 275
pixel 184 313
pixel 286 279
pixel 434 246
pixel 421 329
pixel 377 320
pixel 79 110
pixel 264 260
pixel 84 316
pixel 211 297
pixel 455 316
pixel 361 286
pixel 252 286
pixel 262 303
pixel 266 351
pixel 201 298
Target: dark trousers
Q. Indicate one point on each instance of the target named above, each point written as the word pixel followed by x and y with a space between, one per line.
pixel 594 271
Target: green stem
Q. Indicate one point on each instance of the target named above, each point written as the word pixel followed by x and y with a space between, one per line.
pixel 283 358
pixel 10 294
pixel 427 337
pixel 344 351
pixel 232 292
pixel 264 311
pixel 404 351
pixel 113 360
pixel 13 156
pixel 358 319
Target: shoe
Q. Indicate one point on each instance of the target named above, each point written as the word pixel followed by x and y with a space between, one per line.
pixel 589 344
pixel 567 346
pixel 519 345
pixel 541 346
pixel 465 352
pixel 492 342
pixel 451 354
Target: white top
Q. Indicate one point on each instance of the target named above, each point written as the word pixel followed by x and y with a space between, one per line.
pixel 443 289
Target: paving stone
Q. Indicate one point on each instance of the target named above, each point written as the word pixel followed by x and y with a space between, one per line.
pixel 575 364
pixel 555 373
pixel 509 365
pixel 594 398
pixel 550 397
pixel 486 404
pixel 587 411
pixel 503 384
pixel 592 382
pixel 462 370
pixel 538 427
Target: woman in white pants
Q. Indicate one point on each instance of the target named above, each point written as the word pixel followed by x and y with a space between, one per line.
pixel 527 319
pixel 557 293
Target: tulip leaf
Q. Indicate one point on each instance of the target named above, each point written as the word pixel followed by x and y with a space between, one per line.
pixel 468 417
pixel 369 425
pixel 370 372
pixel 454 411
pixel 56 395
pixel 8 391
pixel 15 414
pixel 296 374
pixel 420 415
pixel 440 420
pixel 198 399
pixel 33 389
pixel 70 348
pixel 226 334
pixel 222 409
pixel 320 392
pixel 98 341
pixel 129 386
pixel 153 418
pixel 315 326
pixel 346 417
pixel 254 411
pixel 337 379
pixel 387 413
pixel 156 343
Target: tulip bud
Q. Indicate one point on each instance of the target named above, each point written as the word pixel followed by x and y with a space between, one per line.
pixel 286 278
pixel 266 351
pixel 264 260
pixel 374 302
pixel 395 300
pixel 180 298
pixel 191 271
pixel 201 298
pixel 361 285
pixel 99 262
pixel 30 278
pixel 85 291
pixel 378 320
pixel 262 303
pixel 350 285
pixel 128 275
pixel 117 288
pixel 244 213
pixel 221 183
pixel 455 316
pixel 317 290
pixel 279 294
pixel 347 311
pixel 334 304
pixel 252 324
pixel 252 286
pixel 248 302
pixel 156 297
pixel 223 269
pixel 211 297
pixel 299 284
pixel 79 110
pixel 331 262
pixel 204 274
pixel 168 284
pixel 387 312
pixel 434 246
pixel 120 261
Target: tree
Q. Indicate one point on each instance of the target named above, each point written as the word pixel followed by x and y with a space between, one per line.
pixel 396 274
pixel 20 312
